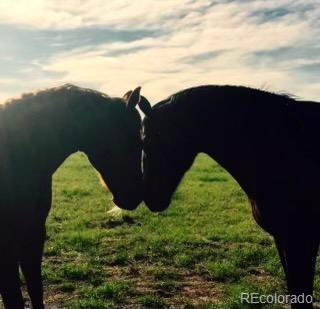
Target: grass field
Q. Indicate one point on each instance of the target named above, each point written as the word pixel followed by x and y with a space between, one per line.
pixel 201 253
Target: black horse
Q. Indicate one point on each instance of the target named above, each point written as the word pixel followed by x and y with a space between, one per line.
pixel 267 142
pixel 37 133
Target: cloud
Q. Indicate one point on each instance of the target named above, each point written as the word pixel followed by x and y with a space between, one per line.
pixel 165 45
pixel 120 14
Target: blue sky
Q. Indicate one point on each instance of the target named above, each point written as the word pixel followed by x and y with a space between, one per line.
pixel 164 46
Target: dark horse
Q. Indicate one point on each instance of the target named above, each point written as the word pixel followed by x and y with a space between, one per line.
pixel 37 133
pixel 267 142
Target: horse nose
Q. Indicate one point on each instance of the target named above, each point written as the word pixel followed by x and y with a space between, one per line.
pixel 128 203
pixel 156 205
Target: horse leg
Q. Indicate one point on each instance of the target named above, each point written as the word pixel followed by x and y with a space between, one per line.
pixel 281 253
pixel 31 255
pixel 299 252
pixel 10 285
pixel 30 263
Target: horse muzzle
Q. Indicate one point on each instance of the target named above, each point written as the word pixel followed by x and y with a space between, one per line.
pixel 155 205
pixel 127 203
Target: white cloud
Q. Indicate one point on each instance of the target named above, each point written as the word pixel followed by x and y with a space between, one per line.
pixel 61 14
pixel 230 32
pixel 160 64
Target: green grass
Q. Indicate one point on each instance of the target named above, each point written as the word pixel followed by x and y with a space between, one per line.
pixel 202 252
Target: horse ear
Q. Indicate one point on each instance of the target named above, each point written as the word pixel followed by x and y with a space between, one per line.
pixel 145 106
pixel 127 95
pixel 132 97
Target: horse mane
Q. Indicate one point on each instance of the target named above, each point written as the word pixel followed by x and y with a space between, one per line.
pixel 58 102
pixel 284 96
pixel 49 110
pixel 42 93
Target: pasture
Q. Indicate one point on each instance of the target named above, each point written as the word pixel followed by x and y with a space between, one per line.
pixel 201 253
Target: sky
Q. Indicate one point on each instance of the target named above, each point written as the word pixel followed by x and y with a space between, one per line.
pixel 163 46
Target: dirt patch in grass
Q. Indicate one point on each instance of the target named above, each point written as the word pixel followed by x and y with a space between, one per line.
pixel 174 287
pixel 196 288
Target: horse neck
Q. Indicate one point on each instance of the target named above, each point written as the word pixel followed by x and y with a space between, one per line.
pixel 38 143
pixel 220 134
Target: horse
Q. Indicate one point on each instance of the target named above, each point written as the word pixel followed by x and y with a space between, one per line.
pixel 266 141
pixel 37 133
